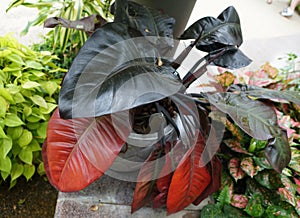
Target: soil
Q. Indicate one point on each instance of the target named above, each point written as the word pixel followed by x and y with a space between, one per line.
pixel 35 199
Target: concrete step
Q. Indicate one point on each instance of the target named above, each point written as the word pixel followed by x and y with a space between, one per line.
pixel 110 198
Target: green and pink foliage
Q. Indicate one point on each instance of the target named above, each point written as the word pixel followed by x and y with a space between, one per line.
pixel 266 193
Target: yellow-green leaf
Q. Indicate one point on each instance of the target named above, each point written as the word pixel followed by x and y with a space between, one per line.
pixel 3 106
pixel 5 164
pixel 14 132
pixel 39 100
pixel 5 147
pixel 5 94
pixel 26 156
pixel 34 65
pixel 12 120
pixel 30 85
pixel 2 133
pixel 25 138
pixel 15 59
pixel 28 171
pixel 16 171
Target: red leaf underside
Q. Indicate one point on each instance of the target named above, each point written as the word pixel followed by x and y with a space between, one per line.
pixel 145 189
pixel 215 169
pixel 190 179
pixel 78 151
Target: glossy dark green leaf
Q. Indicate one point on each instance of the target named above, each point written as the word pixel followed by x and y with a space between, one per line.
pixel 278 152
pixel 217 32
pixel 254 117
pixel 114 72
pixel 264 93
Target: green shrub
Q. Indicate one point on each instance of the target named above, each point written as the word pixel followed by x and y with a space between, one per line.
pixel 65 58
pixel 68 9
pixel 28 95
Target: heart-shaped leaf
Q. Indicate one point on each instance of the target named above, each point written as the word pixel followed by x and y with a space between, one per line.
pixel 254 117
pixel 114 72
pixel 248 166
pixel 189 180
pixel 216 33
pixel 235 169
pixel 78 151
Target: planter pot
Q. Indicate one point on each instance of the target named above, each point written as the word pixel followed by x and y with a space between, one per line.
pixel 139 146
pixel 178 9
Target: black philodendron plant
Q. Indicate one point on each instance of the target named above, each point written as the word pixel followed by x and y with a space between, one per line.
pixel 125 83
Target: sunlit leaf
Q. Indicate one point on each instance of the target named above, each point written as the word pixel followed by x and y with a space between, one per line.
pixel 12 120
pixel 39 100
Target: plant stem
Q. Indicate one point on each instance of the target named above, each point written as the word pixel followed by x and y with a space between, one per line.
pixel 190 78
pixel 178 61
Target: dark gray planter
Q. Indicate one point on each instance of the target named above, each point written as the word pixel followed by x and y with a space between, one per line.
pixel 179 9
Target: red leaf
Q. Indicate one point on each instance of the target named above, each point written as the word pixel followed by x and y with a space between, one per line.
pixel 235 169
pixel 165 176
pixel 215 169
pixel 78 151
pixel 160 200
pixel 145 189
pixel 189 180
